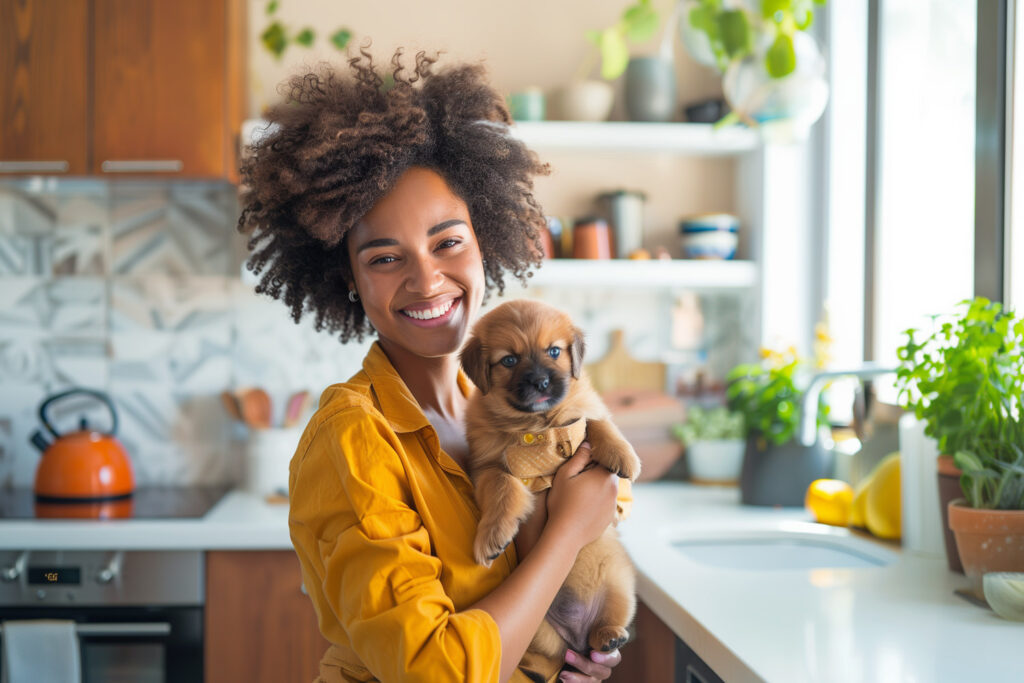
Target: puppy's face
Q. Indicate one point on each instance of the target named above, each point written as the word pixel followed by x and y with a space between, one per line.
pixel 524 354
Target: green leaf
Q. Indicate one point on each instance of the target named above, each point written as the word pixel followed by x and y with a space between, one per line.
pixel 781 58
pixel 737 38
pixel 341 37
pixel 640 22
pixel 271 7
pixel 773 9
pixel 305 37
pixel 614 54
pixel 274 39
pixel 804 18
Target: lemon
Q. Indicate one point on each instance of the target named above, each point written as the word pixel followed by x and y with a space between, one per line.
pixel 859 513
pixel 883 507
pixel 830 501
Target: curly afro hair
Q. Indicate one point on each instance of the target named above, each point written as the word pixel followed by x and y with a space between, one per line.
pixel 339 144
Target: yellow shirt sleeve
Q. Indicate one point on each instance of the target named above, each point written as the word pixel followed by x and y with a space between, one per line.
pixel 354 524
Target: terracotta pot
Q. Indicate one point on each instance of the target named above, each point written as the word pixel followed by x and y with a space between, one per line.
pixel 949 490
pixel 988 540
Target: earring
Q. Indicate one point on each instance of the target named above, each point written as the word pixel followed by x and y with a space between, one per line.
pixel 353 296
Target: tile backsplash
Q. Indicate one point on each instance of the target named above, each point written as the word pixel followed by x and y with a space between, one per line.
pixel 135 288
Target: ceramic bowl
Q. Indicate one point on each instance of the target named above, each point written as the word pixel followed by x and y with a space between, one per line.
pixel 709 236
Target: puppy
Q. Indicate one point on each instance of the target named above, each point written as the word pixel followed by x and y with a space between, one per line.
pixel 533 408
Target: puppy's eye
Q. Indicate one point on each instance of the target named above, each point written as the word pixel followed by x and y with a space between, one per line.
pixel 554 352
pixel 509 361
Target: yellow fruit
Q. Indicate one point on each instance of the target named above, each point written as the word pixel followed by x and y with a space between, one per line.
pixel 830 501
pixel 883 507
pixel 859 511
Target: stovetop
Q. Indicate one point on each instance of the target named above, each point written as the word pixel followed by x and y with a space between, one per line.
pixel 149 502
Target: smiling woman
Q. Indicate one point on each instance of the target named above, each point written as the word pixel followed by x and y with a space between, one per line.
pixel 395 210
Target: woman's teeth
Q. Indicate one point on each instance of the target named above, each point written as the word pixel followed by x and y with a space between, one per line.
pixel 431 313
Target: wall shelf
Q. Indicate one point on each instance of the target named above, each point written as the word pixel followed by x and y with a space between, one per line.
pixel 673 274
pixel 676 138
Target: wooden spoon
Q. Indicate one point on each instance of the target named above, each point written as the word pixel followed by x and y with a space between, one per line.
pixel 231 405
pixel 295 408
pixel 256 408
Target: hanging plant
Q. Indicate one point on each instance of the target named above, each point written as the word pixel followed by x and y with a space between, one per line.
pixel 276 37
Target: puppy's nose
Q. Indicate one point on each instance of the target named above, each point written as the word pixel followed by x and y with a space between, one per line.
pixel 538 379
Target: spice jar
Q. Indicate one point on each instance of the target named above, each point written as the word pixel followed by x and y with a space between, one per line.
pixel 591 239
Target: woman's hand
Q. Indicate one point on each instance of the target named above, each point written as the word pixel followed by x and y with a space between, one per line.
pixel 581 501
pixel 597 667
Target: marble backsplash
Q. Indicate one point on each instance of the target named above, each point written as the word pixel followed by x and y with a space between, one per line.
pixel 135 288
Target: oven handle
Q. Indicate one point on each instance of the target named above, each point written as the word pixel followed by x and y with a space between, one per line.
pixel 115 629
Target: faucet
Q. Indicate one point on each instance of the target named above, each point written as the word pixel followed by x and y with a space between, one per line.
pixel 809 405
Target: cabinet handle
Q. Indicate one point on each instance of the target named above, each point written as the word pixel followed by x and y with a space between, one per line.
pixel 119 630
pixel 693 676
pixel 34 167
pixel 142 166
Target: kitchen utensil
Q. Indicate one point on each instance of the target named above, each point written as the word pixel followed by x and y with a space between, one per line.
pixel 85 465
pixel 256 408
pixel 591 239
pixel 618 370
pixel 231 405
pixel 624 209
pixel 295 408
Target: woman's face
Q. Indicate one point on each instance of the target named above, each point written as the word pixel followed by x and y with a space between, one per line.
pixel 416 266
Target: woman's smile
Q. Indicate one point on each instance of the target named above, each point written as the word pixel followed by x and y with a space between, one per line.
pixel 432 314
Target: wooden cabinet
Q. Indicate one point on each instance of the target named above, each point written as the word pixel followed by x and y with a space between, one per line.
pixel 650 657
pixel 259 626
pixel 44 80
pixel 123 86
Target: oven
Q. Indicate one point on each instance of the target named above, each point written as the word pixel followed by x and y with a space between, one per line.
pixel 138 614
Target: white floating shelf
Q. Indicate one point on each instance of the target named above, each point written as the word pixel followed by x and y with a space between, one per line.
pixel 689 138
pixel 654 273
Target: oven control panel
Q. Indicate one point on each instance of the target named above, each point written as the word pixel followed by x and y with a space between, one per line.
pixel 114 577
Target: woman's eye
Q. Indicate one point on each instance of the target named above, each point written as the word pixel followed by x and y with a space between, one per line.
pixel 509 361
pixel 383 260
pixel 447 244
pixel 554 351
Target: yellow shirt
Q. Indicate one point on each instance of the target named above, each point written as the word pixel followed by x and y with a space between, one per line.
pixel 383 523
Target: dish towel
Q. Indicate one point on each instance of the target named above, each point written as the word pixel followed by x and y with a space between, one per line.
pixel 40 651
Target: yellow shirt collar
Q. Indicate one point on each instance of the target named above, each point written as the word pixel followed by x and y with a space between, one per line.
pixel 397 404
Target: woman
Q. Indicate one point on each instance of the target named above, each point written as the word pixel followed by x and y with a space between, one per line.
pixel 395 208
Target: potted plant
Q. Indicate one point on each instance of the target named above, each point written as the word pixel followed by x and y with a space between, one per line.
pixel 714 440
pixel 777 468
pixel 589 99
pixel 773 74
pixel 965 380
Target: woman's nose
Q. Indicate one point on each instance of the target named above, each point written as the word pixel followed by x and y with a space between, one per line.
pixel 424 276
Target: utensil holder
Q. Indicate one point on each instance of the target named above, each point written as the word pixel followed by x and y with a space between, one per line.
pixel 267 455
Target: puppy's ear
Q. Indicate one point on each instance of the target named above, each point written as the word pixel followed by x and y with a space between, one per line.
pixel 475 365
pixel 576 352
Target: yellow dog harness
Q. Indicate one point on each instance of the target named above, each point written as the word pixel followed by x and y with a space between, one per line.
pixel 536 455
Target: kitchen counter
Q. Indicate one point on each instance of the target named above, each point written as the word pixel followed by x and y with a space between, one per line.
pixel 239 521
pixel 899 622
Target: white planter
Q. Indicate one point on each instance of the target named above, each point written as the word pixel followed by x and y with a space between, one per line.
pixel 715 462
pixel 268 453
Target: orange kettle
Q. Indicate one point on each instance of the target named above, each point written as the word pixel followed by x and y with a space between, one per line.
pixel 84 466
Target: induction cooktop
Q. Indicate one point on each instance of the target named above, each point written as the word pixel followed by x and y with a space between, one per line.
pixel 148 502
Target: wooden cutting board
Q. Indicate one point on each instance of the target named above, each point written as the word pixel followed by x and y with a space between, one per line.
pixel 618 370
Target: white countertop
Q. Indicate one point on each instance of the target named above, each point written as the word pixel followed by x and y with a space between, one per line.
pixel 239 521
pixel 899 622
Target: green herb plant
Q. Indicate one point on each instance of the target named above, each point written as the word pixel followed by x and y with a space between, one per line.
pixel 965 379
pixel 276 36
pixel 733 31
pixel 767 396
pixel 714 424
pixel 638 24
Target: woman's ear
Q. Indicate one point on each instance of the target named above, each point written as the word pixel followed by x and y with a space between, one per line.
pixel 576 352
pixel 475 365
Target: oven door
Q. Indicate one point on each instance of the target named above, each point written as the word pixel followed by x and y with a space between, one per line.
pixel 131 644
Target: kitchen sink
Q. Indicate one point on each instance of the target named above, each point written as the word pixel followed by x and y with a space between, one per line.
pixel 763 550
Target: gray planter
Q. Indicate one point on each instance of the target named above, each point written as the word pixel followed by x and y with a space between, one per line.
pixel 650 89
pixel 780 475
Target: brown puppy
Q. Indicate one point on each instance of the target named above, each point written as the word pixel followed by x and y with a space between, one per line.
pixel 533 408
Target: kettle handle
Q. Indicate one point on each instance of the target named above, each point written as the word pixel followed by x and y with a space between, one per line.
pixel 102 397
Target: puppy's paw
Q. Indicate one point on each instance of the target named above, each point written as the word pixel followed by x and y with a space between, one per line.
pixel 488 547
pixel 607 638
pixel 630 466
pixel 623 461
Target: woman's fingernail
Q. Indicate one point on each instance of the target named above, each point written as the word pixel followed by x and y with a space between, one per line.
pixel 585 443
pixel 571 657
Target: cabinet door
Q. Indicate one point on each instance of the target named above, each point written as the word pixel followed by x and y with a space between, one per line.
pixel 259 624
pixel 650 656
pixel 161 87
pixel 43 86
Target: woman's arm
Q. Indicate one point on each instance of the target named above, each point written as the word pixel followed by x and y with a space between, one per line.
pixel 580 506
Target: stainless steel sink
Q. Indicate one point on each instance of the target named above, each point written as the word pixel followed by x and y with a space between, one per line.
pixel 780 550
